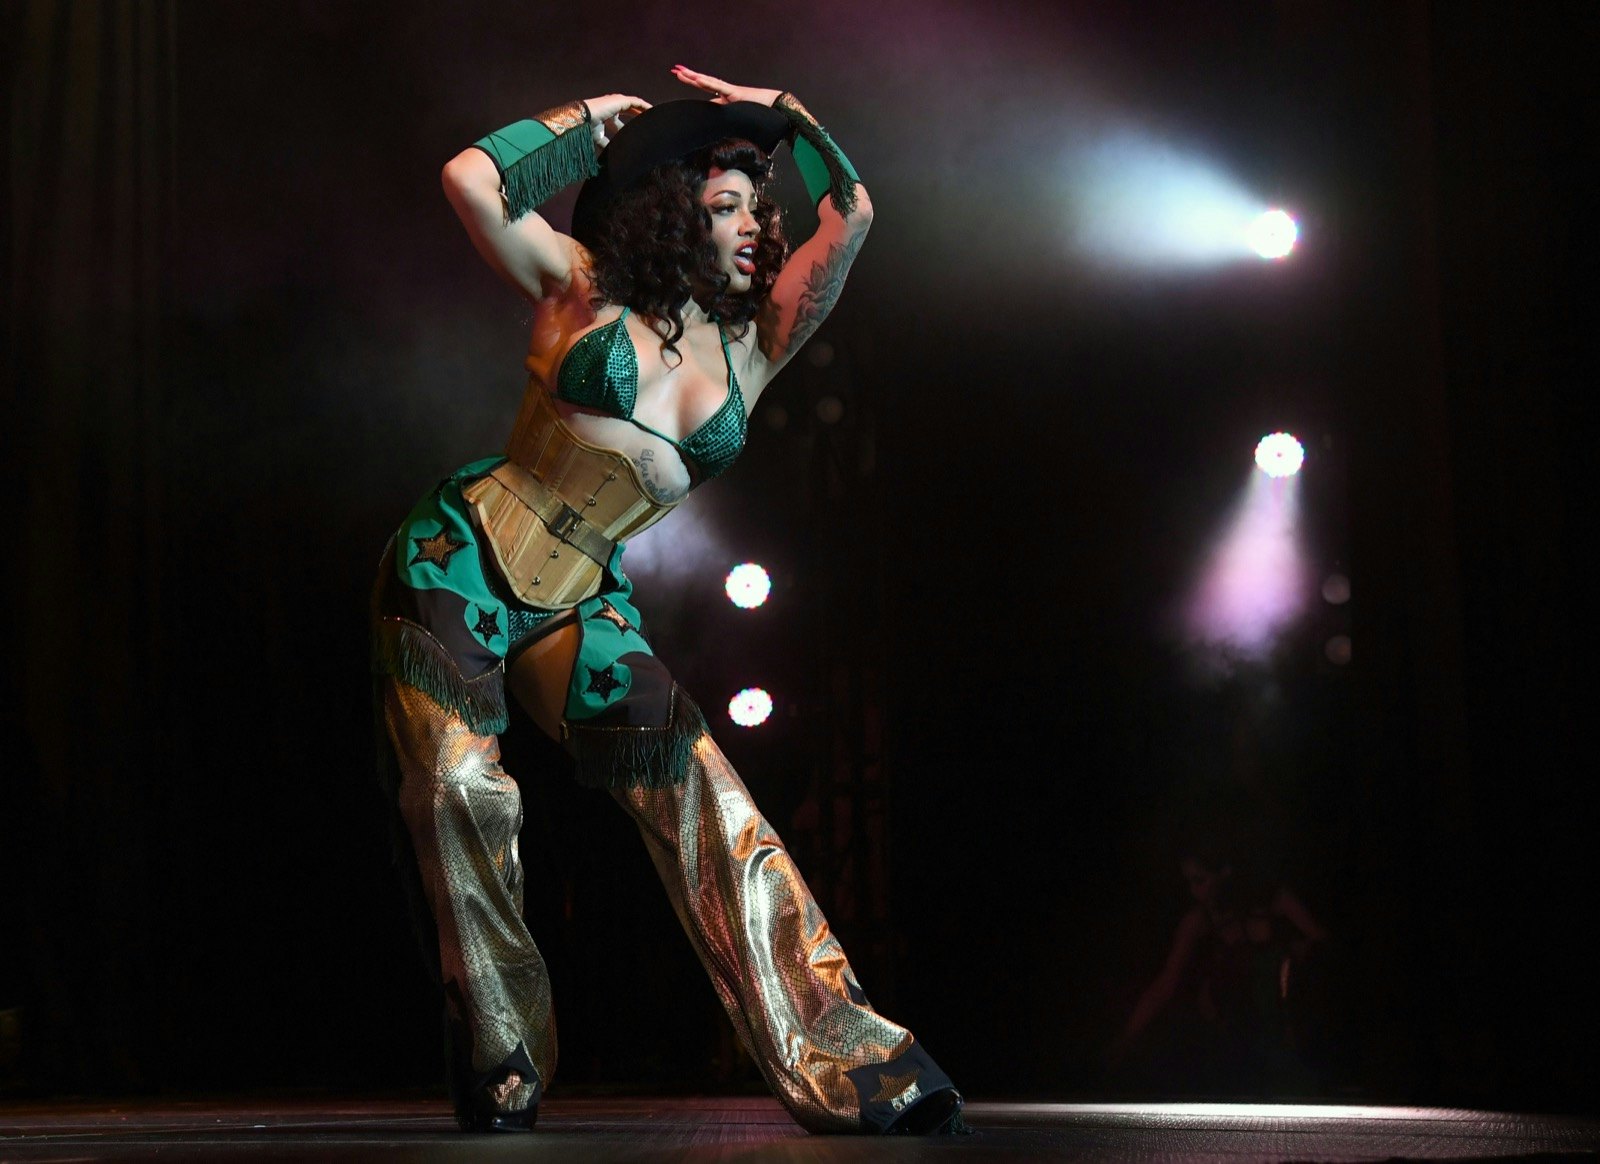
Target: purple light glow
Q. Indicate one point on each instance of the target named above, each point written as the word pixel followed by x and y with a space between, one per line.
pixel 1255 581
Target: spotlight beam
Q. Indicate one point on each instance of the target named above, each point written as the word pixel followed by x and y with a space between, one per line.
pixel 1255 581
pixel 1135 201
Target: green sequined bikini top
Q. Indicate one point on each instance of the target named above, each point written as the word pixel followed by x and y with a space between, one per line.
pixel 601 371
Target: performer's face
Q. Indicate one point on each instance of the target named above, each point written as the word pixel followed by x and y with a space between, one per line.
pixel 730 199
pixel 1204 883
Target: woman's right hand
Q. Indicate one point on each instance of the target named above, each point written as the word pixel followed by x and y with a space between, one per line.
pixel 722 92
pixel 605 114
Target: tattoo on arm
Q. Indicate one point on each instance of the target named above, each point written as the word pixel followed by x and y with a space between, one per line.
pixel 822 287
pixel 655 482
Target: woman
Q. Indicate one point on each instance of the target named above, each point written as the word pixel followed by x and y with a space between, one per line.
pixel 656 327
pixel 1239 945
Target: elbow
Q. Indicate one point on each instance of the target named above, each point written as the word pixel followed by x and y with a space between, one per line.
pixel 451 177
pixel 468 172
pixel 860 218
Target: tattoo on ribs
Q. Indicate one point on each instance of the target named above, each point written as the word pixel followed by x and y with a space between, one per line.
pixel 659 488
pixel 822 288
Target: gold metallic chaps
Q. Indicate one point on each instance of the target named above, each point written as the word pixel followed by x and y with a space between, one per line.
pixel 780 973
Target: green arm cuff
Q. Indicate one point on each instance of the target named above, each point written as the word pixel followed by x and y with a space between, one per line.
pixel 823 167
pixel 539 156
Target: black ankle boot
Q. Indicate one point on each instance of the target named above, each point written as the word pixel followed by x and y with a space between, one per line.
pixel 483 1116
pixel 478 1110
pixel 907 1096
pixel 935 1114
pixel 472 1094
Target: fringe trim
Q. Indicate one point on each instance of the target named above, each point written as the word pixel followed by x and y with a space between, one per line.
pixel 637 757
pixel 411 655
pixel 841 185
pixel 535 177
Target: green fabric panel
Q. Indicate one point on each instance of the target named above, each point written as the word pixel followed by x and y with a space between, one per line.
pixel 535 163
pixel 603 643
pixel 516 141
pixel 814 167
pixel 444 512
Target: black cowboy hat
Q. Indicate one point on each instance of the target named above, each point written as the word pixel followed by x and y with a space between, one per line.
pixel 664 133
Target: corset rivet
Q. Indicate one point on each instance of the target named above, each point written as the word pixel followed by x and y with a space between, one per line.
pixel 555 553
pixel 611 476
pixel 592 501
pixel 536 579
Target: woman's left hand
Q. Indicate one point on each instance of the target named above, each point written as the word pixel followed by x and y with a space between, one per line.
pixel 724 93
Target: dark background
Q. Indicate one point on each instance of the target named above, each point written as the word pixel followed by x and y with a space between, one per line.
pixel 244 332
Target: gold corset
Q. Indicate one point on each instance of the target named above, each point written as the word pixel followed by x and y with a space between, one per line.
pixel 553 513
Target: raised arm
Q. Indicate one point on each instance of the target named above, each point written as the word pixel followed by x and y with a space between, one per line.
pixel 810 282
pixel 1159 993
pixel 495 184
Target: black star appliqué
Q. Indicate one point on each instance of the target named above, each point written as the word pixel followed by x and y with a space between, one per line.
pixel 436 549
pixel 603 682
pixel 612 615
pixel 488 625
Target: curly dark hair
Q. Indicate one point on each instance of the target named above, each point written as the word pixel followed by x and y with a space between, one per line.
pixel 654 248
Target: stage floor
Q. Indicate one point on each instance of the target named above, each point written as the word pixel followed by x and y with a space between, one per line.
pixel 589 1129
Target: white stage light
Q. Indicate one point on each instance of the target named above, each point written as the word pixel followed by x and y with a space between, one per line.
pixel 1279 455
pixel 747 585
pixel 750 707
pixel 1273 234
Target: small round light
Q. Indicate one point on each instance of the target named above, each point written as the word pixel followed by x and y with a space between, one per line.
pixel 1279 455
pixel 750 707
pixel 1273 234
pixel 747 586
pixel 1336 590
pixel 1338 650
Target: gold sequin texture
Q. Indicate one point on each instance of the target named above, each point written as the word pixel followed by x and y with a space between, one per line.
pixel 779 971
pixel 773 959
pixel 463 813
pixel 559 119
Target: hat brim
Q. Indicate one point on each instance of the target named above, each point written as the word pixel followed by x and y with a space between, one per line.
pixel 665 133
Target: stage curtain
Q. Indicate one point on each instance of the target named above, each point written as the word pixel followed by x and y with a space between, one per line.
pixel 88 212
